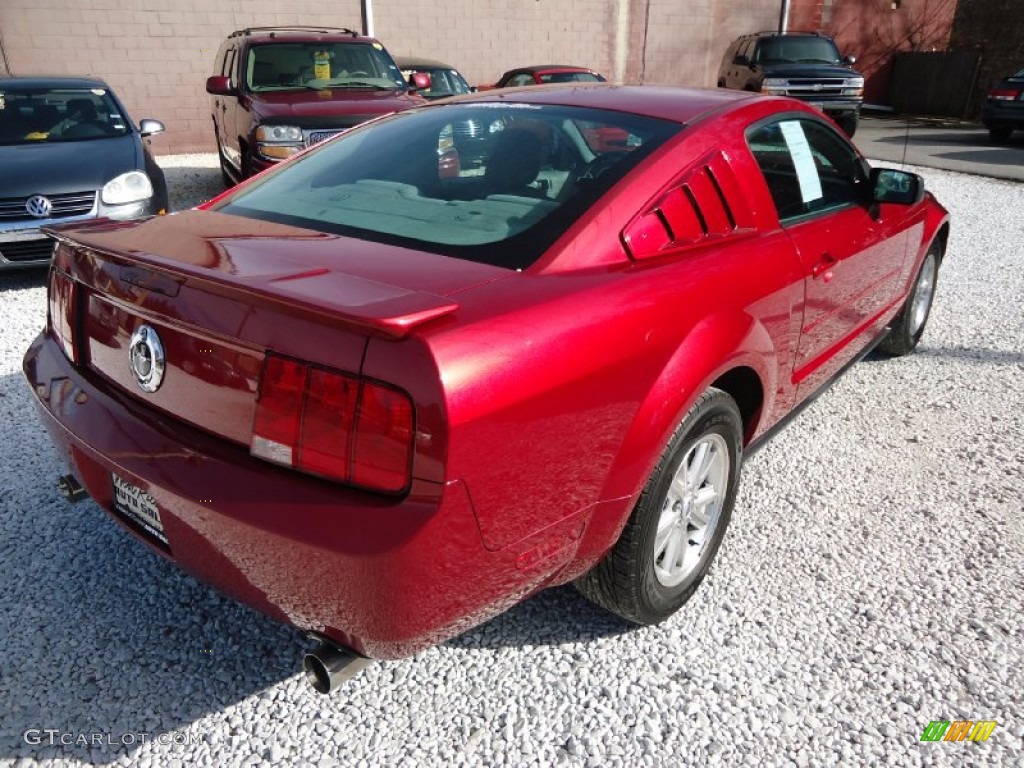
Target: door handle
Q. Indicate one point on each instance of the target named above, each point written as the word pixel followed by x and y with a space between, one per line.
pixel 824 267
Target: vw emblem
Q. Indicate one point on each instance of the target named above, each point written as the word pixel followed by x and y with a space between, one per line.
pixel 38 206
pixel 146 358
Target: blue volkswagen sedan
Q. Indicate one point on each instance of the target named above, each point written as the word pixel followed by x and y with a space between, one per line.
pixel 69 152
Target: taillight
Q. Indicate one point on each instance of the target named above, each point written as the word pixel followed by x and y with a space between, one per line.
pixel 327 419
pixel 1004 94
pixel 334 425
pixel 275 433
pixel 61 297
pixel 383 440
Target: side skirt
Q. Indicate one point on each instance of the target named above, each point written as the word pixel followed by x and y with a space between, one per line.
pixel 757 443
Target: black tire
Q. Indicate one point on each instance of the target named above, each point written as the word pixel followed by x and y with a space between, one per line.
pixel 848 124
pixel 1000 134
pixel 225 172
pixel 906 329
pixel 247 166
pixel 629 581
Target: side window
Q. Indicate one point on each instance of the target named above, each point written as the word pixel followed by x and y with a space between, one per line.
pixel 808 167
pixel 229 66
pixel 523 78
pixel 746 48
pixel 730 53
pixel 840 171
pixel 218 63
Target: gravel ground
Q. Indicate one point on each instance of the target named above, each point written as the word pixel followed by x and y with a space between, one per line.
pixel 870 582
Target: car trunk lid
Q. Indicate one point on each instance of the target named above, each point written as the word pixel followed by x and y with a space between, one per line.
pixel 220 292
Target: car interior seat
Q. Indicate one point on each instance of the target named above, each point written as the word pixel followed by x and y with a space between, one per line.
pixel 263 74
pixel 44 117
pixel 83 121
pixel 514 163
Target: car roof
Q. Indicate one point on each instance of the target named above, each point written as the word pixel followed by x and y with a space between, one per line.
pixel 676 103
pixel 535 68
pixel 414 62
pixel 769 33
pixel 264 35
pixel 53 81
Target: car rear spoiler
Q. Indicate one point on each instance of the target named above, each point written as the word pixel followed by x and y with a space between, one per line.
pixel 388 310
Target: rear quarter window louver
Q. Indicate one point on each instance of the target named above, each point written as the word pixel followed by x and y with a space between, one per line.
pixel 708 204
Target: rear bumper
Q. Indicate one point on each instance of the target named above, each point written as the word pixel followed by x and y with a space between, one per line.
pixel 380 576
pixel 1008 114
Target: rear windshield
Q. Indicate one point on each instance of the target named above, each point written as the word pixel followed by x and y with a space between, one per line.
pixel 491 182
pixel 44 115
pixel 317 66
pixel 571 77
pixel 809 50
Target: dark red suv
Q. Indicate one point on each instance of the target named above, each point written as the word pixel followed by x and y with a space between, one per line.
pixel 277 90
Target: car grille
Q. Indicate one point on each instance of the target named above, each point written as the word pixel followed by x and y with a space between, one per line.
pixel 69 204
pixel 815 87
pixel 27 250
pixel 315 137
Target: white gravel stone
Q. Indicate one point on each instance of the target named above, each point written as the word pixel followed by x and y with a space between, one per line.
pixel 870 582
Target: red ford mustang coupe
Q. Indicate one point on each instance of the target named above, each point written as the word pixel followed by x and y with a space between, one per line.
pixel 384 401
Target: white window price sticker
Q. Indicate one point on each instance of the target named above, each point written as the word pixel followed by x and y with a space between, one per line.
pixel 803 160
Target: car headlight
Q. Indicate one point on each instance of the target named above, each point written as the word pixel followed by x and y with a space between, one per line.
pixel 279 133
pixel 774 85
pixel 131 187
pixel 853 86
pixel 278 142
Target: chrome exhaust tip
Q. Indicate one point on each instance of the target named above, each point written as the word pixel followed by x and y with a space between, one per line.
pixel 70 488
pixel 327 666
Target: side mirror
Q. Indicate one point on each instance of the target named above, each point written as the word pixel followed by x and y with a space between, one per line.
pixel 219 85
pixel 849 60
pixel 889 186
pixel 148 126
pixel 741 60
pixel 420 81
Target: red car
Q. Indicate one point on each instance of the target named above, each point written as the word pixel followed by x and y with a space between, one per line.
pixel 384 403
pixel 544 74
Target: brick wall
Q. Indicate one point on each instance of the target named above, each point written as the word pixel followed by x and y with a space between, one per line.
pixel 874 31
pixel 157 55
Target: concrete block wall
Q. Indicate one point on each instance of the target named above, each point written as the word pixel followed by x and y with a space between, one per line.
pixel 686 40
pixel 484 38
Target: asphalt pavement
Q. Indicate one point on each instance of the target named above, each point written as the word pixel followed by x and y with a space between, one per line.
pixel 952 145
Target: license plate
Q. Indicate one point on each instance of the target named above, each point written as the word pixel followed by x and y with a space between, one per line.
pixel 138 506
